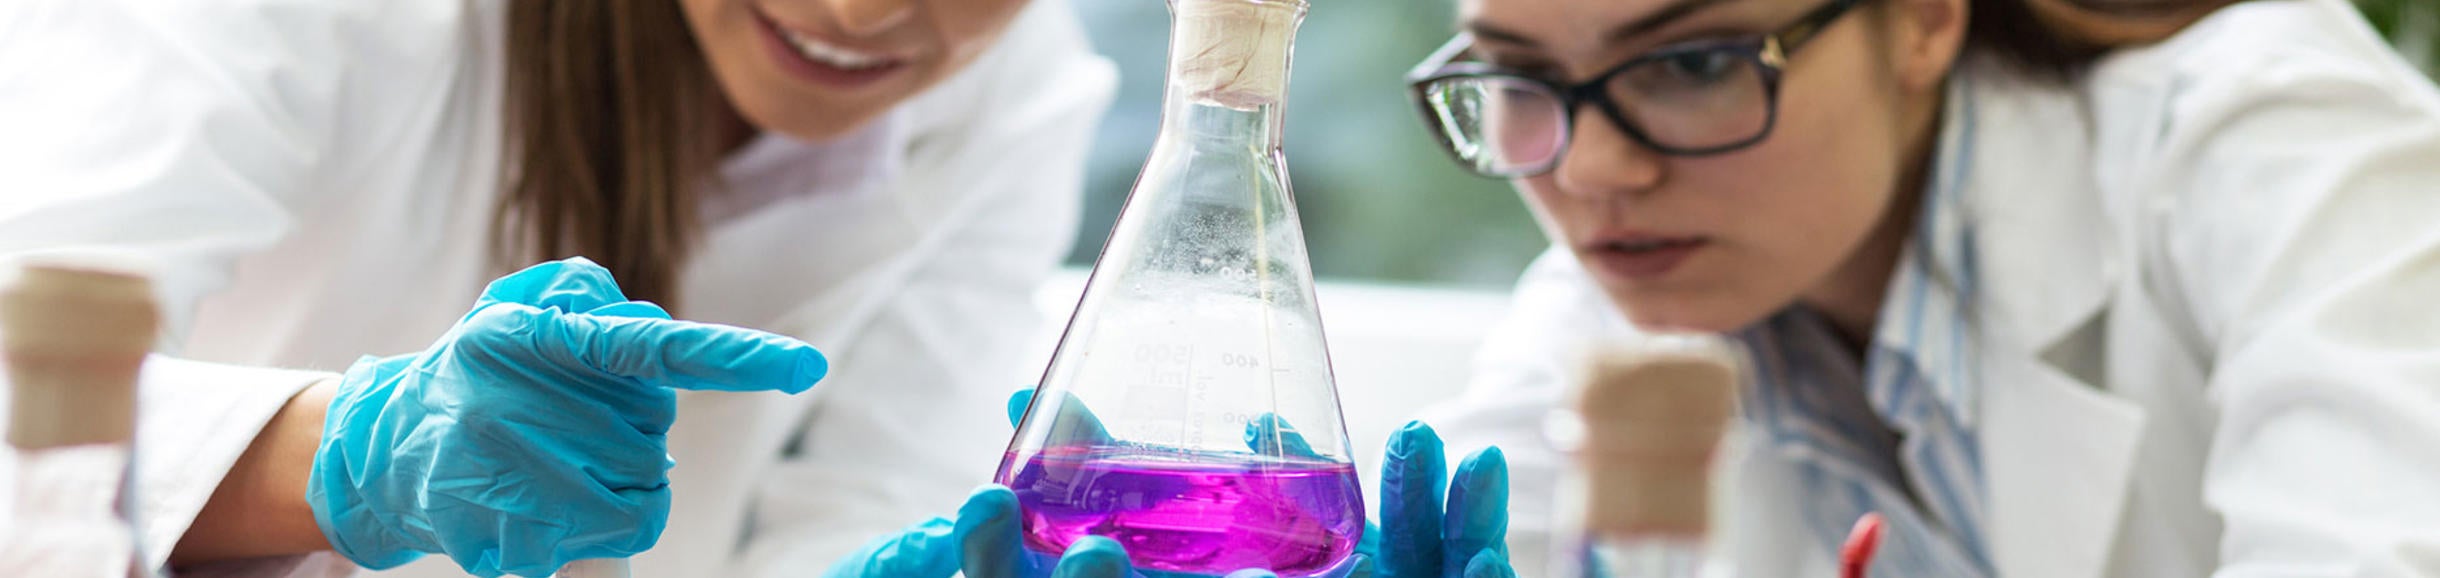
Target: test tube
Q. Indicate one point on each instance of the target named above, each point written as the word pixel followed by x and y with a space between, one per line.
pixel 75 338
pixel 1644 432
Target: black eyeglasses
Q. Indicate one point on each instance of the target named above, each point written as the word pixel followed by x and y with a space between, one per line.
pixel 1692 99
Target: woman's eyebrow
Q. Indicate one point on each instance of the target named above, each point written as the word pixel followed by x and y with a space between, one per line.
pixel 1493 32
pixel 1657 20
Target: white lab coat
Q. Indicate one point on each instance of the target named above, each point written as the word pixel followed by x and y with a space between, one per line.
pixel 315 180
pixel 2212 341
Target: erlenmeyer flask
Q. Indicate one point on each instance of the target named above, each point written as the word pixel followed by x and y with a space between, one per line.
pixel 1189 411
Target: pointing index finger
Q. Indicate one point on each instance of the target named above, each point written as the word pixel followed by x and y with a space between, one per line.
pixel 690 355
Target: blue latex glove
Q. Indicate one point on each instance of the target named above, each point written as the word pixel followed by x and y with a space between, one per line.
pixel 1419 538
pixel 533 433
pixel 1465 539
pixel 983 537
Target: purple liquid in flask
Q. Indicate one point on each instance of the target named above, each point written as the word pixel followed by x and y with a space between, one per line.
pixel 1199 513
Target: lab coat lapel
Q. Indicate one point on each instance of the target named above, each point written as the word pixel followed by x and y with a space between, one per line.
pixel 2057 455
pixel 2058 449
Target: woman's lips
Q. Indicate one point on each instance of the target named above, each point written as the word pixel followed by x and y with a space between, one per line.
pixel 1642 257
pixel 823 62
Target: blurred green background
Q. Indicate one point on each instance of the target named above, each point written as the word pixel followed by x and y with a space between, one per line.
pixel 2414 25
pixel 1380 202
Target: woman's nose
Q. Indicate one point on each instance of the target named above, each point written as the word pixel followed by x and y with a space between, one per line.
pixel 868 17
pixel 1603 161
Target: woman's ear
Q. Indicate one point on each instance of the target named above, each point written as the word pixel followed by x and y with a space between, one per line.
pixel 1926 36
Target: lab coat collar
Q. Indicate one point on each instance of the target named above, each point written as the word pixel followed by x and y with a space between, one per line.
pixel 2058 450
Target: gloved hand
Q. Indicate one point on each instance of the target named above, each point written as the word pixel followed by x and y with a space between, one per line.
pixel 1422 539
pixel 1419 538
pixel 532 433
pixel 986 525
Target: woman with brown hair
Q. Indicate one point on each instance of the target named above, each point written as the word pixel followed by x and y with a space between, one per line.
pixel 313 182
pixel 2058 287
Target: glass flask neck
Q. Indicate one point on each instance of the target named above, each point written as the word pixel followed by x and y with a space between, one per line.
pixel 1228 72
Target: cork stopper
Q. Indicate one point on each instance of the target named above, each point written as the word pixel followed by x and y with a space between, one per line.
pixel 1233 52
pixel 1652 417
pixel 74 337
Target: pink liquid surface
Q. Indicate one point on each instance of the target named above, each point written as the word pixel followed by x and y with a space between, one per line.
pixel 1177 515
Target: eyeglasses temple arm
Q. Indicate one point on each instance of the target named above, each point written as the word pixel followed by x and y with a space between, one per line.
pixel 1796 35
pixel 1441 57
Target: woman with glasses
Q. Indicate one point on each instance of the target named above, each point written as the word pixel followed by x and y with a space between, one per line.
pixel 2058 287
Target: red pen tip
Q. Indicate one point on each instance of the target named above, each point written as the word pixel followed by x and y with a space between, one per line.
pixel 1862 543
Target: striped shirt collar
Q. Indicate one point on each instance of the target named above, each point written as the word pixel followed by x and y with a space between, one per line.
pixel 1908 447
pixel 1936 275
pixel 1926 320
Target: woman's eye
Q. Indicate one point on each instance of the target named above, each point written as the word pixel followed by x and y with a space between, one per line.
pixel 1700 67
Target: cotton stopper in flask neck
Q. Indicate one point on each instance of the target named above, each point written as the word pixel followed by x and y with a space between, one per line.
pixel 1233 53
pixel 75 337
pixel 1653 415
